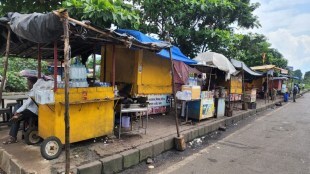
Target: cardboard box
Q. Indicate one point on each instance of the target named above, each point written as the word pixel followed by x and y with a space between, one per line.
pixel 195 90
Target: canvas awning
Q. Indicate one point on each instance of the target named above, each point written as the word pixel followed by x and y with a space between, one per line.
pixel 241 65
pixel 269 67
pixel 217 60
pixel 176 52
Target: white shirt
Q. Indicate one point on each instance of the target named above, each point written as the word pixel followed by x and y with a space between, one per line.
pixel 30 105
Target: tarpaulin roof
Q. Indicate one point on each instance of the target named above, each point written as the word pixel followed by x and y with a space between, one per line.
pixel 241 65
pixel 176 52
pixel 29 30
pixel 218 60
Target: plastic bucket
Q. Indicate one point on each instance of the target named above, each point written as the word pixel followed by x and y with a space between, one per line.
pixel 125 121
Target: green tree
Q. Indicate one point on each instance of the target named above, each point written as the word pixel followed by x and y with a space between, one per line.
pixel 104 12
pixel 23 6
pixel 195 25
pixel 15 83
pixel 297 73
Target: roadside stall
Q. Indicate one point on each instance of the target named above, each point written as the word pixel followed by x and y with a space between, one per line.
pixel 248 91
pixel 143 73
pixel 217 69
pixel 264 84
pixel 91 104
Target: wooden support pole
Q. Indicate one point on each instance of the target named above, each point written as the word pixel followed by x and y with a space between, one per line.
pixel 55 65
pixel 94 67
pixel 39 61
pixel 174 93
pixel 113 67
pixel 210 79
pixel 5 62
pixel 67 66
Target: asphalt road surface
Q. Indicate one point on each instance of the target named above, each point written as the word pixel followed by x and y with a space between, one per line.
pixel 274 142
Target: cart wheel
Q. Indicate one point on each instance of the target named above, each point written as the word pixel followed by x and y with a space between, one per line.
pixel 31 136
pixel 51 148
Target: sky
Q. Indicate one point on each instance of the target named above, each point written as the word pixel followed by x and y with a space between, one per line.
pixel 286 24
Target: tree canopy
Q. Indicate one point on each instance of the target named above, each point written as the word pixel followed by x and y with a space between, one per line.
pixel 297 73
pixel 193 25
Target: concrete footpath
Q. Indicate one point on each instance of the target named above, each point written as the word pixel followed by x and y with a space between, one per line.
pixel 103 155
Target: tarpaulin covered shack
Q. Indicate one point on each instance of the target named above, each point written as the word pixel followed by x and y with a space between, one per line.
pixel 141 72
pixel 40 35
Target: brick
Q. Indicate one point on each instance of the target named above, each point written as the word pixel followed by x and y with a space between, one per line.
pixel 130 158
pixel 112 164
pixel 145 151
pixel 94 167
pixel 158 147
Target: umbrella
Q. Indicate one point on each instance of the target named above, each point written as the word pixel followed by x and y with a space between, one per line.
pixel 217 60
pixel 33 73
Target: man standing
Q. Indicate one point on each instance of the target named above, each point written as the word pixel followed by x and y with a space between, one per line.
pixel 295 91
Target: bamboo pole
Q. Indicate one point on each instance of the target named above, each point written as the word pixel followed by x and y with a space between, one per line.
pixel 67 66
pixel 243 89
pixel 6 62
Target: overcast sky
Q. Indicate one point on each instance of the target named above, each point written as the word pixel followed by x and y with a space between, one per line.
pixel 286 23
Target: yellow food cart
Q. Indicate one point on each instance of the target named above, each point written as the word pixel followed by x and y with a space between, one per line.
pixel 92 115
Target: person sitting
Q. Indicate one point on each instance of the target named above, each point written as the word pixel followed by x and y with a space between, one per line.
pixel 27 111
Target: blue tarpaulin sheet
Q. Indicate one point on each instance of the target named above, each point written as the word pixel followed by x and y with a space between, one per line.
pixel 176 52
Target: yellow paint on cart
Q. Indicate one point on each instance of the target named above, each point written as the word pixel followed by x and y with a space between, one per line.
pixel 91 114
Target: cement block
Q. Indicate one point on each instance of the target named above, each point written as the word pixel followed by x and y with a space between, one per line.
pixel 130 158
pixel 145 151
pixel 187 135
pixel 158 147
pixel 201 131
pixel 169 143
pixel 195 133
pixel 73 169
pixel 112 164
pixel 228 121
pixel 14 167
pixel 5 161
pixel 208 129
pixel 94 167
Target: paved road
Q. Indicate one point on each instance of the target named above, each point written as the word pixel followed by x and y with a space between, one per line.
pixel 276 143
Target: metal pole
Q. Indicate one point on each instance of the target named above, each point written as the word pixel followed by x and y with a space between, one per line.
pixel 67 66
pixel 173 91
pixel 55 66
pixel 39 61
pixel 5 62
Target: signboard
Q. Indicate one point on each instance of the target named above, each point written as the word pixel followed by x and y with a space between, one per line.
pixel 158 103
pixel 207 108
